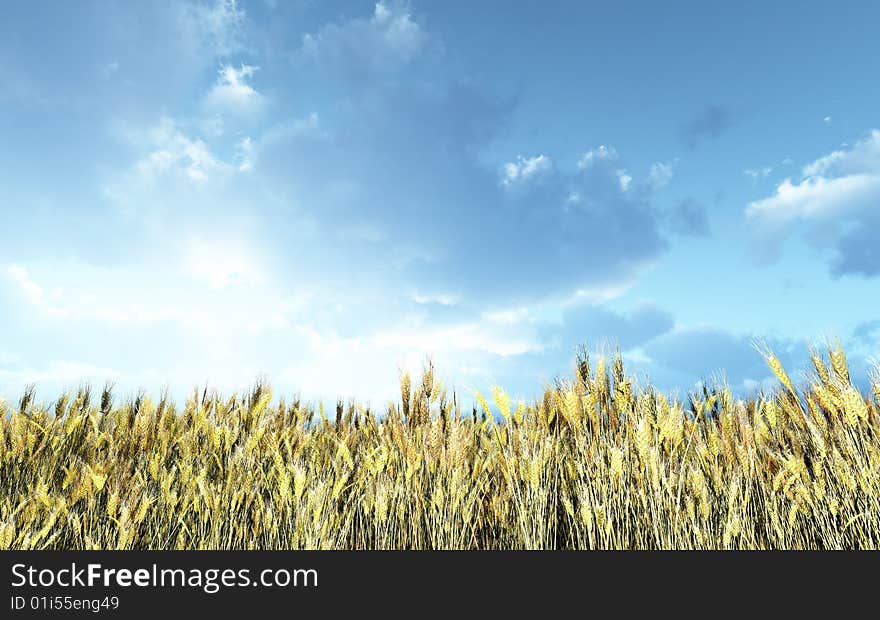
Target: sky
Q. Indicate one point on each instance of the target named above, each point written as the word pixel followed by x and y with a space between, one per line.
pixel 327 193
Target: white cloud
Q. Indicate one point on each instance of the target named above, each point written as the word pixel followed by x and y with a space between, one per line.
pixel 844 182
pixel 816 198
pixel 601 294
pixel 839 192
pixel 606 153
pixel 525 169
pixel 822 164
pixel 863 157
pixel 233 93
pixel 827 120
pixel 596 156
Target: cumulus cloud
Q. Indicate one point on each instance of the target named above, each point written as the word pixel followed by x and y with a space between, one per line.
pixel 525 169
pixel 600 158
pixel 862 158
pixel 601 153
pixel 233 93
pixel 836 199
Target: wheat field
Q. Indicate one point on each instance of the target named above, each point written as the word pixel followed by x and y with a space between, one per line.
pixel 596 462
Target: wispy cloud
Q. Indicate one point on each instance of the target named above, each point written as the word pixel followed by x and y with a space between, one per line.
pixel 661 173
pixel 360 51
pixel 221 22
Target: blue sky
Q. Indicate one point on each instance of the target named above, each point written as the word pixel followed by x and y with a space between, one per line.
pixel 324 193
